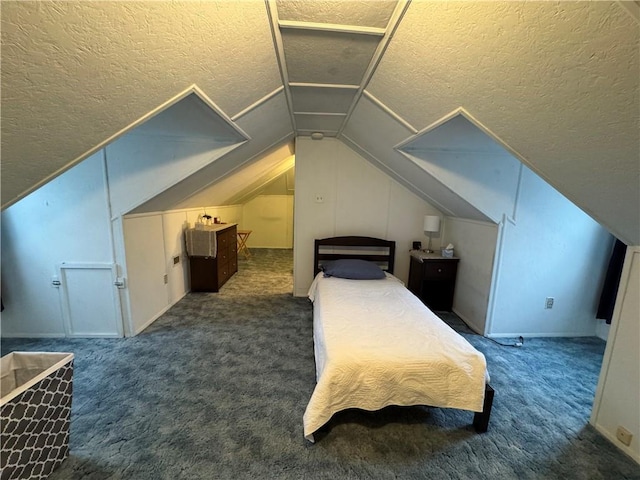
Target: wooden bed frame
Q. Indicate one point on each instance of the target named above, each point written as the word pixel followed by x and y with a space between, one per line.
pixel 382 252
pixel 363 248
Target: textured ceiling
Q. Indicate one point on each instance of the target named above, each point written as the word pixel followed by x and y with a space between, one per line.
pixel 362 13
pixel 76 73
pixel 556 83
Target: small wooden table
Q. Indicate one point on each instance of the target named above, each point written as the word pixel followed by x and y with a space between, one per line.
pixel 432 278
pixel 242 242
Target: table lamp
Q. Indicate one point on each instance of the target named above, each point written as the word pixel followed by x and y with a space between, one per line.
pixel 431 224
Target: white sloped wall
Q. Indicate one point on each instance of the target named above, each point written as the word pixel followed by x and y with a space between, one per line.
pixel 553 249
pixel 142 166
pixel 488 182
pixel 77 217
pixel 547 247
pixel 475 244
pixel 67 220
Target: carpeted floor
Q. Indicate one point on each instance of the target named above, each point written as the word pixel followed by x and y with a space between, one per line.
pixel 216 389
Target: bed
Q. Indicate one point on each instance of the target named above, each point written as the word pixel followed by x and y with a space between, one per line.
pixel 376 344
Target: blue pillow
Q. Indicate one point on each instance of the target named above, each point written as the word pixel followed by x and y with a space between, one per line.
pixel 353 269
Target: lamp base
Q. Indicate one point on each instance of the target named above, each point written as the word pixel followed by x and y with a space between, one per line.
pixel 428 249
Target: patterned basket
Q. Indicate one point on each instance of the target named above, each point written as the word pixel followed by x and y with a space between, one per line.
pixel 35 413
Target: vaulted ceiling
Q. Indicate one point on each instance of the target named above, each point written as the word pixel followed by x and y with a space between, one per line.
pixel 554 83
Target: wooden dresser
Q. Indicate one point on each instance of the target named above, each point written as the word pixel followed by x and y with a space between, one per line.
pixel 209 274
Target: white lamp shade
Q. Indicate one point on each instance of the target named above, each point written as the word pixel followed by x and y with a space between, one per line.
pixel 431 223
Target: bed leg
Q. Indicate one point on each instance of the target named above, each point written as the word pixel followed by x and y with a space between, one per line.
pixel 481 419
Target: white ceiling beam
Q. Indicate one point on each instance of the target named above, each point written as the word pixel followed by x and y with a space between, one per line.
pixel 323 85
pixel 237 167
pixel 272 13
pixel 390 112
pixel 331 27
pixel 254 188
pixel 393 174
pixel 309 131
pixel 325 114
pixel 255 105
pixel 392 26
pixel 633 8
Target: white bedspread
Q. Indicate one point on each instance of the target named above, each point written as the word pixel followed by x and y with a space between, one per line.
pixel 376 345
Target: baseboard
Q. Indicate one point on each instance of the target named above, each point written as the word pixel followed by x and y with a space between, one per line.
pixel 602 330
pixel 301 293
pixel 635 456
pixel 184 294
pixel 468 323
pixel 525 335
pixel 152 319
pixel 32 335
pixel 95 335
pixel 158 315
pixel 540 335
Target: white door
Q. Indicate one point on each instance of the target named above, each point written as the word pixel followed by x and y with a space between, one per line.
pixel 90 300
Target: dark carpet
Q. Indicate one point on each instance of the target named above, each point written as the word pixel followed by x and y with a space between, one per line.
pixel 216 389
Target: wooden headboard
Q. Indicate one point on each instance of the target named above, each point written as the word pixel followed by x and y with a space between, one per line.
pixel 374 250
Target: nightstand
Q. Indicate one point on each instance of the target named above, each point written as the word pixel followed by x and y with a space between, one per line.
pixel 432 278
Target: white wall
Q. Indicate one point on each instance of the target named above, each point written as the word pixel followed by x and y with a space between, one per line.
pixel 492 186
pixel 617 401
pixel 150 243
pixel 357 199
pixel 77 217
pixel 475 244
pixel 141 166
pixel 553 249
pixel 67 220
pixel 545 245
pixel 270 219
pixel 173 226
pixel 146 267
pixel 226 213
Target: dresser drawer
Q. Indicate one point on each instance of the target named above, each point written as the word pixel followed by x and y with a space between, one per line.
pixel 223 273
pixel 203 274
pixel 223 256
pixel 439 270
pixel 223 240
pixel 224 269
pixel 227 237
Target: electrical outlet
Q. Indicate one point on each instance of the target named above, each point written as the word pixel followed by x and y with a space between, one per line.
pixel 319 198
pixel 166 278
pixel 548 303
pixel 624 435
